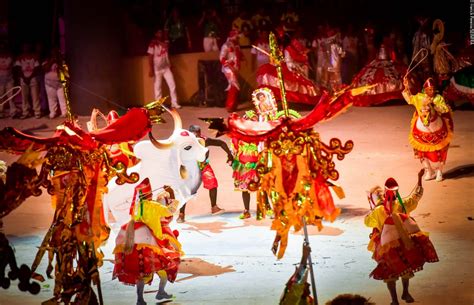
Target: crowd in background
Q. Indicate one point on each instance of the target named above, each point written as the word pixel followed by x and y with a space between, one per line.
pixel 36 76
pixel 204 26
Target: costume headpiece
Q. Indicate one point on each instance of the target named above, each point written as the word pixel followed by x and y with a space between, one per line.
pixel 391 184
pixel 429 83
pixel 391 192
pixel 142 191
pixel 112 116
pixel 375 196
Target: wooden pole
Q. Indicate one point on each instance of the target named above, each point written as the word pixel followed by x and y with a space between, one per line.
pixel 310 263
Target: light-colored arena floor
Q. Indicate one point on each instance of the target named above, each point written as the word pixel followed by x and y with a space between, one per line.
pixel 228 260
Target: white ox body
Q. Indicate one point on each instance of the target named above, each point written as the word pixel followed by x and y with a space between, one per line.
pixel 162 167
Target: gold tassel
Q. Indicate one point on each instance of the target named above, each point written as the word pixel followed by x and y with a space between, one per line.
pixel 339 191
pixel 129 237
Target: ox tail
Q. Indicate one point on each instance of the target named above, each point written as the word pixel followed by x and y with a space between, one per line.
pixel 129 237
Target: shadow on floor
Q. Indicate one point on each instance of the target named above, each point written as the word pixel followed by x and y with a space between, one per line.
pixel 463 171
pixel 197 267
pixel 326 231
pixel 212 227
pixel 41 128
pixel 348 212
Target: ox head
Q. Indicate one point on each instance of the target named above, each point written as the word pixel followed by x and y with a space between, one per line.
pixel 187 146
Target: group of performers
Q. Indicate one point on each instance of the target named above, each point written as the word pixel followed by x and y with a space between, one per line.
pixel 399 246
pixel 146 245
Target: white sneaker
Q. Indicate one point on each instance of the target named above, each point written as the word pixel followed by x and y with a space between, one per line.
pixel 429 175
pixel 177 106
pixel 439 175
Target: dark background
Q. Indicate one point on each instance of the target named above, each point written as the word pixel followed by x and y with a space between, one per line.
pixel 34 21
pixel 99 33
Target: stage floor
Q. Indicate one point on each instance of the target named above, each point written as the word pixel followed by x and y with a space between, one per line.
pixel 228 260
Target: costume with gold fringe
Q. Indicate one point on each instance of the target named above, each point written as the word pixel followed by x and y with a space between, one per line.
pixel 75 167
pixel 434 116
pixel 147 245
pixel 384 75
pixel 399 247
pixel 295 174
pixel 295 167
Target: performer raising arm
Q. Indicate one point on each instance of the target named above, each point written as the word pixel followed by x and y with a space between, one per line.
pixel 431 128
pixel 147 245
pixel 399 247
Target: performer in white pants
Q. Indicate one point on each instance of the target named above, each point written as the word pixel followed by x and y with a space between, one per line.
pixel 54 88
pixel 160 68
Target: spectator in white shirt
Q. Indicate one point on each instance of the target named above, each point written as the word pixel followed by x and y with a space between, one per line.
pixel 160 67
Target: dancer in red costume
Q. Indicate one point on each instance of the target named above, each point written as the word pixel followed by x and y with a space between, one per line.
pixel 296 57
pixel 387 77
pixel 299 89
pixel 230 57
pixel 147 245
pixel 399 247
pixel 431 128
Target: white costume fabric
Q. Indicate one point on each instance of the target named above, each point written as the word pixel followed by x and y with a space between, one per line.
pixel 161 66
pixel 230 60
pixel 55 92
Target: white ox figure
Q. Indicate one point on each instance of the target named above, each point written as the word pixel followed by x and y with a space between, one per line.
pixel 170 162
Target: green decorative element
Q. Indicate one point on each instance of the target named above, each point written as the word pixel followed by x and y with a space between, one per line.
pixel 202 165
pixel 401 202
pixel 277 58
pixel 237 165
pixel 250 114
pixel 293 114
pixel 464 77
pixel 249 149
pixel 140 196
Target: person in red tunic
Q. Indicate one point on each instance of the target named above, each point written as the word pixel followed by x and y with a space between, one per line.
pixel 208 177
pixel 230 57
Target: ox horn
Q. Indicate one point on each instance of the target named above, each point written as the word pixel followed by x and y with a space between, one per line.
pixel 168 143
